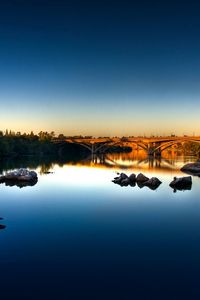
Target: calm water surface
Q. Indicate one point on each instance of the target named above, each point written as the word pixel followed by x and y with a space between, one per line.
pixel 76 235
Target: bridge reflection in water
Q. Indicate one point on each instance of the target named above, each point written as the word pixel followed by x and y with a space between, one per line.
pixel 137 160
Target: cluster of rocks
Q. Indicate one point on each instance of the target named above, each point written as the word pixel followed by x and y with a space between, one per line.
pixel 182 183
pixel 21 178
pixel 141 180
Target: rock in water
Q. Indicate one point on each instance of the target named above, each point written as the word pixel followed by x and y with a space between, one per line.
pixel 140 184
pixel 141 178
pixel 133 184
pixel 21 175
pixel 120 178
pixel 132 178
pixel 117 180
pixel 182 183
pixel 123 176
pixel 152 183
pixel 125 182
pixel 33 174
pixel 192 168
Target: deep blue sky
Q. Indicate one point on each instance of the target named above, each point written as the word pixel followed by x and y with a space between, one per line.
pixel 100 67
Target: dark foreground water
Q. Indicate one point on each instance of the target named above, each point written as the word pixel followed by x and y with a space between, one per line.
pixel 76 235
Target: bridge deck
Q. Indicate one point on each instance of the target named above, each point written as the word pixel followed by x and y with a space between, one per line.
pixel 152 145
pixel 136 139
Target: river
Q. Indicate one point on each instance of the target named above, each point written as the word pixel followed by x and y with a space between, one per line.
pixel 77 235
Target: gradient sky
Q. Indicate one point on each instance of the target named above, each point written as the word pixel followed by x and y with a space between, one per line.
pixel 100 67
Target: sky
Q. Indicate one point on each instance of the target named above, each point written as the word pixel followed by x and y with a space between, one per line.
pixel 101 68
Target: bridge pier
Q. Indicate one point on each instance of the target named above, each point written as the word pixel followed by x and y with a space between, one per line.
pixel 95 148
pixel 157 150
pixel 154 150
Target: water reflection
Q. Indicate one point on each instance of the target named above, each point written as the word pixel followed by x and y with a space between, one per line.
pixel 20 184
pixel 45 163
pixel 186 188
pixel 134 160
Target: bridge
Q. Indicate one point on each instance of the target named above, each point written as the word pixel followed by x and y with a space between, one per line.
pixel 153 146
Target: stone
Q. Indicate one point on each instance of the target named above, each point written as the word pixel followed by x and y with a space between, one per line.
pixel 125 182
pixel 120 178
pixel 21 178
pixel 182 183
pixel 153 183
pixel 123 176
pixel 141 178
pixel 140 184
pixel 132 178
pixel 33 174
pixel 2 226
pixel 192 168
pixel 133 184
pixel 117 180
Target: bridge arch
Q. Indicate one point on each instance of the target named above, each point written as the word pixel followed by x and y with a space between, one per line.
pixel 150 145
pixel 164 146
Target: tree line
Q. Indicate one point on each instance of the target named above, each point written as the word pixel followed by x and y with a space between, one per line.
pixel 15 143
pixel 23 144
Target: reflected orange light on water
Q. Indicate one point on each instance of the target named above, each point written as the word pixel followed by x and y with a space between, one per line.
pixel 96 169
